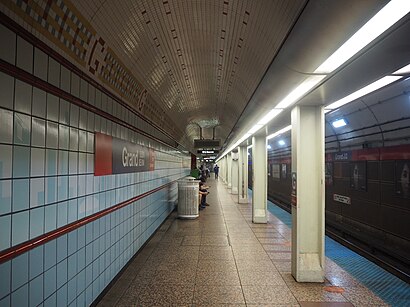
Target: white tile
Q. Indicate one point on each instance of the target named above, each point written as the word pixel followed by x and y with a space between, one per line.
pixel 62 162
pixel 21 188
pixel 50 217
pixel 73 163
pixel 52 135
pixel 73 139
pixel 6 90
pixel 40 64
pixel 75 85
pixel 19 228
pixel 72 186
pixel 24 55
pixel 5 242
pixel 53 72
pixel 51 189
pixel 37 161
pixel 36 222
pixel 62 185
pixel 38 132
pixel 23 97
pixel 36 290
pixel 83 90
pixel 5 196
pixel 5 161
pixel 36 260
pixel 82 140
pixel 51 162
pixel 21 161
pixel 8 51
pixel 62 213
pixel 39 103
pixel 65 83
pixel 83 119
pixel 64 112
pixel 63 136
pixel 74 115
pixel 6 127
pixel 52 107
pixel 20 296
pixel 22 129
pixel 37 192
pixel 50 285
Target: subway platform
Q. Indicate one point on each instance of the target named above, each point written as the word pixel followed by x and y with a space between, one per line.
pixel 222 258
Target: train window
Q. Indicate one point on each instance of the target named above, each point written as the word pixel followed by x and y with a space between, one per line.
pixel 402 178
pixel 276 171
pixel 328 173
pixel 358 175
pixel 283 171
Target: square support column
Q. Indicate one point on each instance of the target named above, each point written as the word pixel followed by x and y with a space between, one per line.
pixel 234 172
pixel 243 175
pixel 223 170
pixel 229 170
pixel 260 176
pixel 308 194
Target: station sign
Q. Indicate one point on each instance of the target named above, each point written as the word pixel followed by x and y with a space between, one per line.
pixel 342 199
pixel 208 151
pixel 116 156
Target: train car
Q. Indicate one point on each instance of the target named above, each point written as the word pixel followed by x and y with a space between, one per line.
pixel 367 200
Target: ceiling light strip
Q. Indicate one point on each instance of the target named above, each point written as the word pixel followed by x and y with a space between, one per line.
pixel 379 23
pixel 363 91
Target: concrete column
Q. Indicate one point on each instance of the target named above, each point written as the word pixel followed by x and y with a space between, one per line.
pixel 226 169
pixel 234 172
pixel 229 170
pixel 308 194
pixel 223 171
pixel 260 179
pixel 243 175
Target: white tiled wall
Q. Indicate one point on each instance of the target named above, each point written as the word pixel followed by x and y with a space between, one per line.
pixel 47 181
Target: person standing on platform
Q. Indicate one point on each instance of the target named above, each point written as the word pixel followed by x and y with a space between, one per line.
pixel 216 171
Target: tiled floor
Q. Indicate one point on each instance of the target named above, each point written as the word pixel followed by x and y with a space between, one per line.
pixel 221 258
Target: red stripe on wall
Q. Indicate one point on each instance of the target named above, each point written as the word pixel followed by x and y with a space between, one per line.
pixel 372 154
pixel 401 152
pixel 103 154
pixel 24 247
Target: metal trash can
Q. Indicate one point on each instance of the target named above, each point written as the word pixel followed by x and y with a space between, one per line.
pixel 188 203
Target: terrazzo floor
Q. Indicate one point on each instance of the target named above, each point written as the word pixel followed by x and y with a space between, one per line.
pixel 222 258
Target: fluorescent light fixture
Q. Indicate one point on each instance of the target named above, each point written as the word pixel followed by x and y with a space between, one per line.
pixel 301 90
pixel 339 123
pixel 363 91
pixel 255 128
pixel 268 117
pixel 269 147
pixel 283 130
pixel 383 20
pixel 403 71
pixel 281 142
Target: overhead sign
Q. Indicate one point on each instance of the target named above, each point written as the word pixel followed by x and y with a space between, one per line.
pixel 206 143
pixel 208 151
pixel 116 156
pixel 342 199
pixel 342 156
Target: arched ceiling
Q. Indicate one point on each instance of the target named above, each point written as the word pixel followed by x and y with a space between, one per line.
pixel 201 60
pixel 212 68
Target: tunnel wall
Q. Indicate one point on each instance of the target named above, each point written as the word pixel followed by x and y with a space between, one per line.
pixel 65 233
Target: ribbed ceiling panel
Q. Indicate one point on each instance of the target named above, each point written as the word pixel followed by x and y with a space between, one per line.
pixel 200 60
